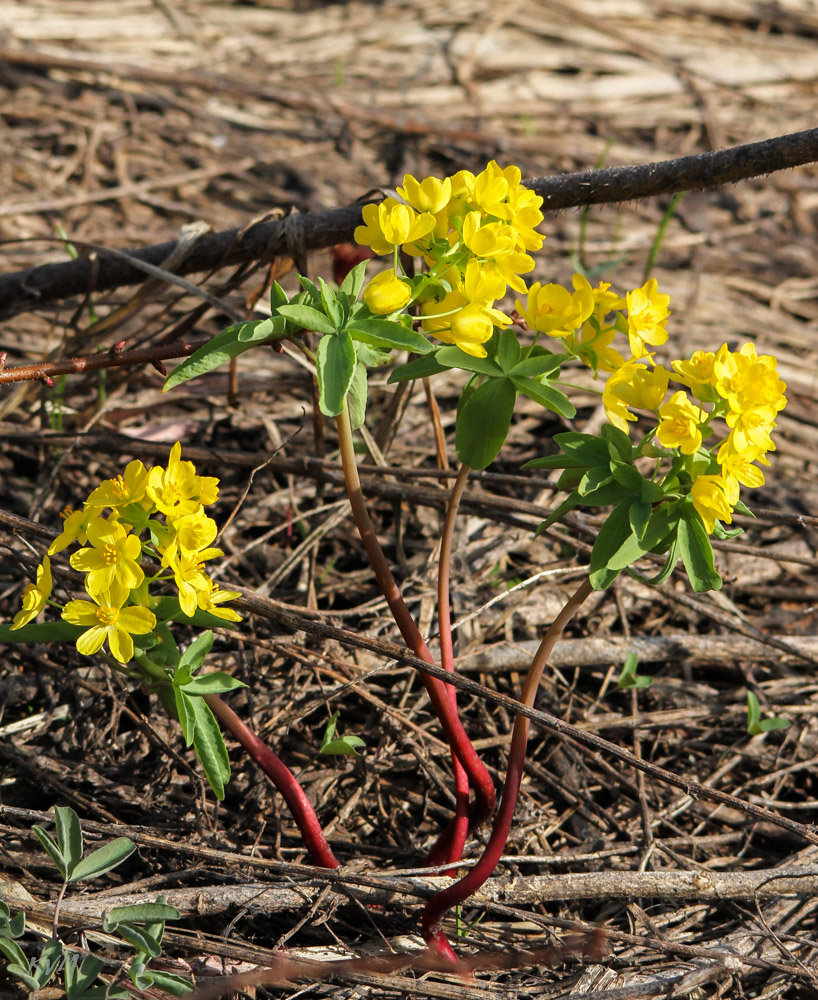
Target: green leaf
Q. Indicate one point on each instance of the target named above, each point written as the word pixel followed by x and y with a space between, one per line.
pixel 185 714
pixel 177 986
pixel 217 682
pixel 15 954
pixel 210 749
pixel 453 357
pixel 53 851
pixel 554 462
pixel 639 515
pixel 385 333
pixel 345 746
pixel 278 297
pixel 258 331
pixel 619 444
pixel 222 348
pixel 307 318
pixel 538 364
pixel 697 553
pixel 483 422
pixel 140 939
pixel 16 926
pixel 195 654
pixel 86 976
pixel 586 448
pixel 417 368
pixel 508 350
pixel 356 398
pixel 546 395
pixel 594 478
pixel 21 972
pixel 69 836
pixel 627 475
pixel 650 492
pixel 50 958
pixel 103 859
pixel 629 678
pixel 612 537
pixel 741 508
pixel 331 305
pixel 755 724
pixel 339 746
pixel 42 632
pixel 605 495
pixel 573 500
pixel 140 913
pixel 336 362
pixel 354 281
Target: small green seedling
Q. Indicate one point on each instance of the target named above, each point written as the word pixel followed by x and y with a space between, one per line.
pixel 755 724
pixel 629 678
pixel 339 746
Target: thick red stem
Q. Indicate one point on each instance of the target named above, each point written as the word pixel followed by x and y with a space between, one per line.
pixel 284 780
pixel 479 777
pixel 449 845
pixel 454 894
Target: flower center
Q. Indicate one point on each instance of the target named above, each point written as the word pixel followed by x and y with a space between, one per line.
pixel 119 488
pixel 110 554
pixel 106 615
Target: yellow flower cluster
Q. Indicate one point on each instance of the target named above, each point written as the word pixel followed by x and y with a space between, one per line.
pixel 473 232
pixel 741 387
pixel 111 554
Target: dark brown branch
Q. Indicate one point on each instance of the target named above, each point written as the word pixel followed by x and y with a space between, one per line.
pixel 39 286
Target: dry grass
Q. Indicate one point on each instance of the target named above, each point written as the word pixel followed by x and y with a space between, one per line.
pixel 313 106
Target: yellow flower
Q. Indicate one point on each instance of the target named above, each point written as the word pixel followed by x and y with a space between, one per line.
pixel 737 470
pixel 106 619
pixel 209 600
pixel 679 427
pixel 177 490
pixel 633 385
pixel 697 374
pixel 710 501
pixel 429 195
pixel 190 534
pixel 35 595
pixel 190 576
pixel 496 244
pixel 604 299
pixel 554 310
pixel 647 315
pixel 125 489
pixel 387 293
pixel 75 524
pixel 392 224
pixel 466 315
pixel 110 559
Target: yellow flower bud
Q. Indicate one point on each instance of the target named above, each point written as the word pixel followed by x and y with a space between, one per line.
pixel 386 293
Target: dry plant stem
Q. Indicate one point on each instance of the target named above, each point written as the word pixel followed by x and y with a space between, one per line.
pixel 449 845
pixel 281 776
pixel 437 907
pixel 485 796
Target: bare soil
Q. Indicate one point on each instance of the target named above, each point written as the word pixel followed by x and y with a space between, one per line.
pixel 123 122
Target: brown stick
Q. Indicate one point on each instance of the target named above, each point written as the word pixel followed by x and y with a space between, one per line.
pixel 38 286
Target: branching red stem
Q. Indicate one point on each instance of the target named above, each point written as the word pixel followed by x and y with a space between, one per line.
pixel 281 776
pixel 454 894
pixel 449 845
pixel 453 728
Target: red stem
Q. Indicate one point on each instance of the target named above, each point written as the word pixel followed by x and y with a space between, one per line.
pixel 284 780
pixel 449 845
pixel 454 894
pixel 485 795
